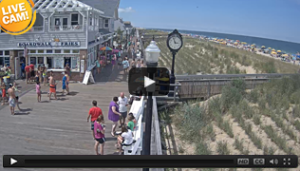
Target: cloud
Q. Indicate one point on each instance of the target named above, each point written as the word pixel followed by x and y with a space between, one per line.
pixel 126 10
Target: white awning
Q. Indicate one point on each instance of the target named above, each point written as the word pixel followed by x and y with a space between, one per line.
pixel 62 5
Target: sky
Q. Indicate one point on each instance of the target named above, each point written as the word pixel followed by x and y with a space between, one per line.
pixel 274 19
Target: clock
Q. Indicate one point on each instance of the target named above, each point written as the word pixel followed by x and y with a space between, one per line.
pixel 174 41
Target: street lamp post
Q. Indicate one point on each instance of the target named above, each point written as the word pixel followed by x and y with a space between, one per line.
pixel 152 55
pixel 126 38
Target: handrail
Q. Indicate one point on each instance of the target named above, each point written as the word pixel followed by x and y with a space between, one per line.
pixel 156 130
pixel 187 77
pixel 137 108
pixel 66 28
pixel 36 29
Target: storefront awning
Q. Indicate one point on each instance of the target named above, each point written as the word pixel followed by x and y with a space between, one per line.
pixel 62 5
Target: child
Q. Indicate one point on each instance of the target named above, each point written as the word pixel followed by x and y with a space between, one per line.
pixel 99 130
pixel 38 91
pixel 131 123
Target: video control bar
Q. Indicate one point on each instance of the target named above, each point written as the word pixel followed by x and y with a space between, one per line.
pixel 154 161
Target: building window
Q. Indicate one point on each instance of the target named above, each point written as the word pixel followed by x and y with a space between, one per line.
pixel 50 62
pixel 67 51
pixel 100 23
pixel 33 60
pixel 106 23
pixel 57 51
pixel 40 51
pixel 41 61
pixel 74 19
pixel 6 52
pixel 91 21
pixel 49 51
pixel 1 52
pixel 75 51
pixel 32 51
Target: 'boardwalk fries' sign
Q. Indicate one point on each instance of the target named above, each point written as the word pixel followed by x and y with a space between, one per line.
pixel 16 16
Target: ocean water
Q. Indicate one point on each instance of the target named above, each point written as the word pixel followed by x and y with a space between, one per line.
pixel 287 47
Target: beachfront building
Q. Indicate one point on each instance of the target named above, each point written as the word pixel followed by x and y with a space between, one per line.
pixel 65 31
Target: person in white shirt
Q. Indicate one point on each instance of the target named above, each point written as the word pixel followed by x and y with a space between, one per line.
pixel 123 103
pixel 125 139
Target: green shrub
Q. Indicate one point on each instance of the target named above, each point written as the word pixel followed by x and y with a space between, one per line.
pixel 246 61
pixel 210 132
pixel 253 96
pixel 256 119
pixel 222 148
pixel 230 95
pixel 296 111
pixel 202 148
pixel 297 125
pixel 227 128
pixel 295 97
pixel 246 110
pixel 238 145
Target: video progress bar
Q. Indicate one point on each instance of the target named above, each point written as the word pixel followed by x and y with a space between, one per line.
pixel 157 161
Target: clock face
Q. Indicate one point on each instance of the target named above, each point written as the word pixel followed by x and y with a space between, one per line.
pixel 175 43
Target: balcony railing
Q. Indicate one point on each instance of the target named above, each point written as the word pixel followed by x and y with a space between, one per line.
pixel 36 29
pixel 66 28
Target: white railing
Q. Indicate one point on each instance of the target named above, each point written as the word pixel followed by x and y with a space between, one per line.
pixel 66 28
pixel 137 108
pixel 36 29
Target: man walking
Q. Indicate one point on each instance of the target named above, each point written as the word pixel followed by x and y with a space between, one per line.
pixel 52 86
pixel 123 103
pixel 12 99
pixel 94 113
pixel 27 72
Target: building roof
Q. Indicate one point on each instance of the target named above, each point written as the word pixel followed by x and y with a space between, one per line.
pixel 61 5
pixel 108 6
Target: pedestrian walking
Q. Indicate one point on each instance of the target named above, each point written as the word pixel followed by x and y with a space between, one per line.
pixel 123 103
pixel 133 63
pixel 27 70
pixel 113 61
pixel 32 74
pixel 37 76
pixel 12 99
pixel 125 64
pixel 98 66
pixel 99 131
pixel 64 83
pixel 44 75
pixel 94 113
pixel 114 114
pixel 38 91
pixel 52 86
pixel 23 69
pixel 68 69
pixel 3 92
pixel 17 91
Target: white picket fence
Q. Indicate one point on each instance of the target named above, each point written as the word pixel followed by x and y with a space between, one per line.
pixel 137 109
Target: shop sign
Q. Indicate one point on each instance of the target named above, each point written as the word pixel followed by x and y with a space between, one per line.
pixel 48 44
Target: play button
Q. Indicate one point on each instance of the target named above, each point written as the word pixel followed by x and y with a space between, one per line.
pixel 148 82
pixel 13 161
pixel 142 81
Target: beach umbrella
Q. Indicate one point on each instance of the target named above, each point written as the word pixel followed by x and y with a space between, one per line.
pixel 273 50
pixel 253 45
pixel 285 55
pixel 269 48
pixel 105 48
pixel 274 53
pixel 237 41
pixel 263 47
pixel 279 51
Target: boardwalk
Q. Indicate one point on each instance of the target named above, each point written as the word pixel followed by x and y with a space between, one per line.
pixel 60 127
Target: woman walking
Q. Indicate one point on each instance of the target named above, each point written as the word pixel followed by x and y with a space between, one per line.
pixel 45 75
pixel 114 114
pixel 99 130
pixel 17 91
pixel 98 65
pixel 38 91
pixel 113 61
